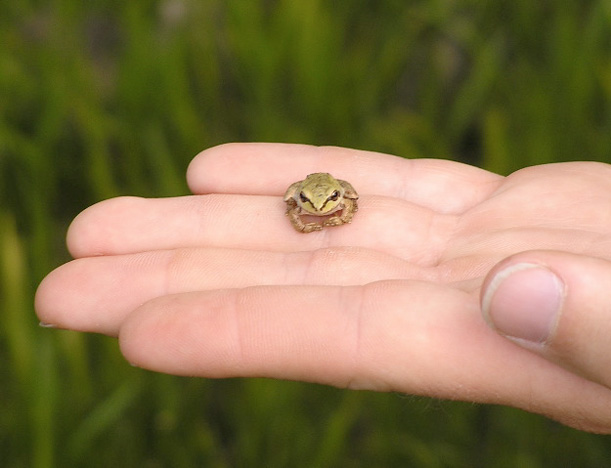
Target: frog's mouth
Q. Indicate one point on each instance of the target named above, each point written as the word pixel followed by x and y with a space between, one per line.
pixel 327 208
pixel 308 217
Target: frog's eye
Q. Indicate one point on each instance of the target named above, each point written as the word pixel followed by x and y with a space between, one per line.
pixel 334 196
pixel 303 198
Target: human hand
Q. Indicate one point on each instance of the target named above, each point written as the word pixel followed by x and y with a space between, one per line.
pixel 219 284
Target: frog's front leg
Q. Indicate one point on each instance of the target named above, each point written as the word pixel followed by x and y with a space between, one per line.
pixel 350 207
pixel 293 212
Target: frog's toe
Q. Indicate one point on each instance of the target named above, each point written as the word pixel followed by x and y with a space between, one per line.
pixel 311 227
pixel 334 221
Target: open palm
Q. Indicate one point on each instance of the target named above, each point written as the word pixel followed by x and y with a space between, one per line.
pixel 219 284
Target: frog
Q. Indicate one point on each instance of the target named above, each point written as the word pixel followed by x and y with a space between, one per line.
pixel 320 194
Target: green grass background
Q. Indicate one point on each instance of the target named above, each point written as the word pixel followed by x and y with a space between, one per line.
pixel 104 98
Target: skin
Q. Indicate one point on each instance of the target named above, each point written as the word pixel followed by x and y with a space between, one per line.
pixel 320 194
pixel 391 304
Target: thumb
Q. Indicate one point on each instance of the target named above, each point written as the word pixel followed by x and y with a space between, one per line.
pixel 557 304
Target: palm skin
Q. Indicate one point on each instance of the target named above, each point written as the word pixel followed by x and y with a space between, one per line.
pixel 219 284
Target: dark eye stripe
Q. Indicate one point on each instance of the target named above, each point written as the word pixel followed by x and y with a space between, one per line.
pixel 333 197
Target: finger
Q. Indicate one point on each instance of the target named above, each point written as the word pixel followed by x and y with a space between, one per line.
pixel 96 294
pixel 130 224
pixel 265 168
pixel 558 305
pixel 564 195
pixel 389 336
pixel 473 253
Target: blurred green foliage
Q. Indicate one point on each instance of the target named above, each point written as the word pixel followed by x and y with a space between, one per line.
pixel 103 98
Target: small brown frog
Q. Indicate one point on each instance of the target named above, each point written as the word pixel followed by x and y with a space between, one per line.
pixel 320 194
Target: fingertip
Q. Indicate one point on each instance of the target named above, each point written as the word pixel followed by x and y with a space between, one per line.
pixel 94 230
pixel 139 329
pixel 178 335
pixel 208 171
pixel 198 167
pixel 130 339
pixel 523 301
pixel 253 168
pixel 58 302
pixel 555 304
pixel 45 301
pixel 78 236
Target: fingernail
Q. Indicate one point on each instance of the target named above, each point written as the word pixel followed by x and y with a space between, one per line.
pixel 46 325
pixel 523 302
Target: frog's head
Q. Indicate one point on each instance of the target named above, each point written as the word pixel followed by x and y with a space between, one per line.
pixel 320 194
